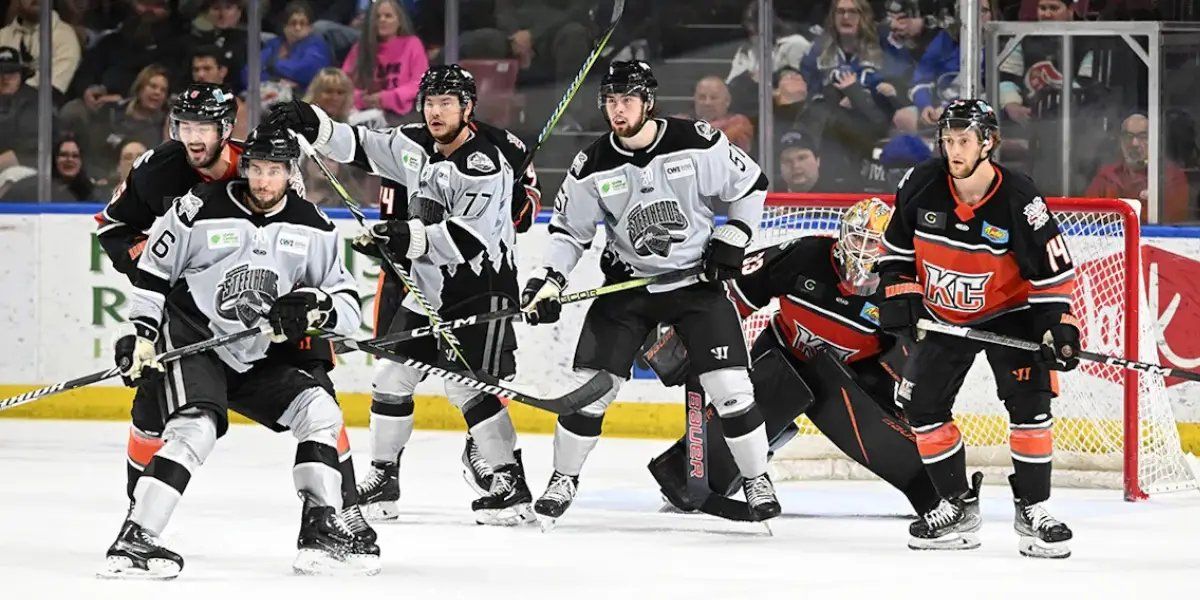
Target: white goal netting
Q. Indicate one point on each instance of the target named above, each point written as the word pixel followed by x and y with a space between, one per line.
pixel 1096 402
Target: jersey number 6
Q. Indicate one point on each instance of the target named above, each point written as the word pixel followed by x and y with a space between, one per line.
pixel 163 244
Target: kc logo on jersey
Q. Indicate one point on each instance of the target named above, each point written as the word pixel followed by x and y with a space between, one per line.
pixel 963 292
pixel 809 343
pixel 246 292
pixel 653 227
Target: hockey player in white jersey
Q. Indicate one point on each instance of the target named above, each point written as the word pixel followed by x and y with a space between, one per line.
pixel 457 235
pixel 229 254
pixel 655 183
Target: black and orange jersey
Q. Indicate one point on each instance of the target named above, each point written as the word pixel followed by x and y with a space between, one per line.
pixel 974 263
pixel 816 310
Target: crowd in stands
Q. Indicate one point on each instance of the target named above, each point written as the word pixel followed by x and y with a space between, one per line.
pixel 857 85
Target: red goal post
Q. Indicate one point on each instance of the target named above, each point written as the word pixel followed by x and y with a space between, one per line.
pixel 1133 444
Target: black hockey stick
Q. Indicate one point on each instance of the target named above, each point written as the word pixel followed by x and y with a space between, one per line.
pixel 568 403
pixel 569 94
pixel 1004 340
pixel 515 312
pixel 406 279
pixel 99 376
pixel 699 494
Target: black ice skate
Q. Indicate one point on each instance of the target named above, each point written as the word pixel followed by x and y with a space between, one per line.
pixel 1041 535
pixel 971 497
pixel 476 471
pixel 556 499
pixel 327 546
pixel 507 501
pixel 364 551
pixel 947 526
pixel 760 495
pixel 380 490
pixel 136 555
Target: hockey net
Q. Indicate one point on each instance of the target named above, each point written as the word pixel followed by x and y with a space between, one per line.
pixel 1112 427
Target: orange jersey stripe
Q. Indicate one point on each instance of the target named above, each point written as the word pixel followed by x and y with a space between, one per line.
pixel 940 443
pixel 1032 445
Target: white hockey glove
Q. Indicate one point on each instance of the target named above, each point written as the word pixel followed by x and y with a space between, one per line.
pixel 133 351
pixel 294 313
pixel 540 298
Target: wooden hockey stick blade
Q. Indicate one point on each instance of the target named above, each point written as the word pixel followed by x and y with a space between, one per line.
pixel 569 403
pixel 988 337
pixel 99 376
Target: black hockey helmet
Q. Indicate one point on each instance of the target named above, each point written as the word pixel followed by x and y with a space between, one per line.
pixel 268 142
pixel 628 77
pixel 205 102
pixel 447 79
pixel 970 113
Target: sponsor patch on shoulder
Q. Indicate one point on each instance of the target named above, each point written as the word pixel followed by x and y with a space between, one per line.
pixel 679 168
pixel 292 243
pixel 411 161
pixel 480 162
pixel 705 130
pixel 612 186
pixel 188 206
pixel 224 238
pixel 1036 213
pixel 995 234
pixel 577 164
pixel 870 312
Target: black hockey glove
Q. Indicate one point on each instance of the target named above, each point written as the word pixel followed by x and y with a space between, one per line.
pixel 540 298
pixel 297 115
pixel 405 239
pixel 725 252
pixel 1060 350
pixel 294 313
pixel 902 307
pixel 133 351
pixel 364 243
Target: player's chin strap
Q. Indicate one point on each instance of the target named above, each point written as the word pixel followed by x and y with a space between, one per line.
pixel 988 337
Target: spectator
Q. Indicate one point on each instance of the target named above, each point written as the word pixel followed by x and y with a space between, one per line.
pixel 220 29
pixel 935 79
pixel 68 178
pixel 333 91
pixel 208 66
pixel 1127 177
pixel 711 102
pixel 387 63
pixel 22 34
pixel 146 37
pixel 127 153
pixel 905 40
pixel 1035 66
pixel 141 116
pixel 800 163
pixel 18 117
pixel 791 99
pixel 790 48
pixel 291 60
pixel 848 53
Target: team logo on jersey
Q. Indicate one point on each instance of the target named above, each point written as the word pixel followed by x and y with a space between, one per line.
pixel 647 181
pixel 705 130
pixel 246 292
pixel 612 186
pixel 809 343
pixel 963 292
pixel 995 234
pixel 577 164
pixel 188 206
pixel 870 312
pixel 1036 213
pixel 480 162
pixel 677 169
pixel 654 227
pixel 516 141
pixel 932 219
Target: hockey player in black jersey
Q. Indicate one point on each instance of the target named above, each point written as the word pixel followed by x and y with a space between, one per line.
pixel 200 150
pixel 229 254
pixel 828 314
pixel 451 217
pixel 972 243
pixel 655 183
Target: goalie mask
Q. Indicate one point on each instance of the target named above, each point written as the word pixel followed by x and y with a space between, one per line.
pixel 860 242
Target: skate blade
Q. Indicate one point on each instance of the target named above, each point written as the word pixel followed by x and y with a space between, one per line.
pixel 1035 548
pixel 951 541
pixel 546 523
pixel 319 562
pixel 380 511
pixel 505 517
pixel 120 567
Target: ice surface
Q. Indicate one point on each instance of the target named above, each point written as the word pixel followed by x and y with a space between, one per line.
pixel 62 499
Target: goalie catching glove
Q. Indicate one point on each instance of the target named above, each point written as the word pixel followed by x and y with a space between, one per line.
pixel 540 300
pixel 405 239
pixel 294 313
pixel 726 250
pixel 133 351
pixel 1060 349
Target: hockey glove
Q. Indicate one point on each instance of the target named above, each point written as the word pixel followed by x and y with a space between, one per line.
pixel 404 238
pixel 1060 348
pixel 725 252
pixel 133 351
pixel 540 298
pixel 364 243
pixel 902 307
pixel 303 118
pixel 294 313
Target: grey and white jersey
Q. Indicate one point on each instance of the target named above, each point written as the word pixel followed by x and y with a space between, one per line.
pixel 222 266
pixel 656 203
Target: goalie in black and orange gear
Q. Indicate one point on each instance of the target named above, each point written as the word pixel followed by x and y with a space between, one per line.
pixel 973 243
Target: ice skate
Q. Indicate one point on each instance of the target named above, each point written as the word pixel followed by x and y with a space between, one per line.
pixel 136 554
pixel 507 502
pixel 380 490
pixel 557 498
pixel 947 526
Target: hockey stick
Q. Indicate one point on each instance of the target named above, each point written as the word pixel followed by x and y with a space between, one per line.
pixel 1004 340
pixel 597 48
pixel 568 403
pixel 699 494
pixel 516 313
pixel 99 376
pixel 406 279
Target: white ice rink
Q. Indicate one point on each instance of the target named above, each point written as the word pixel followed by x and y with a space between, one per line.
pixel 62 500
